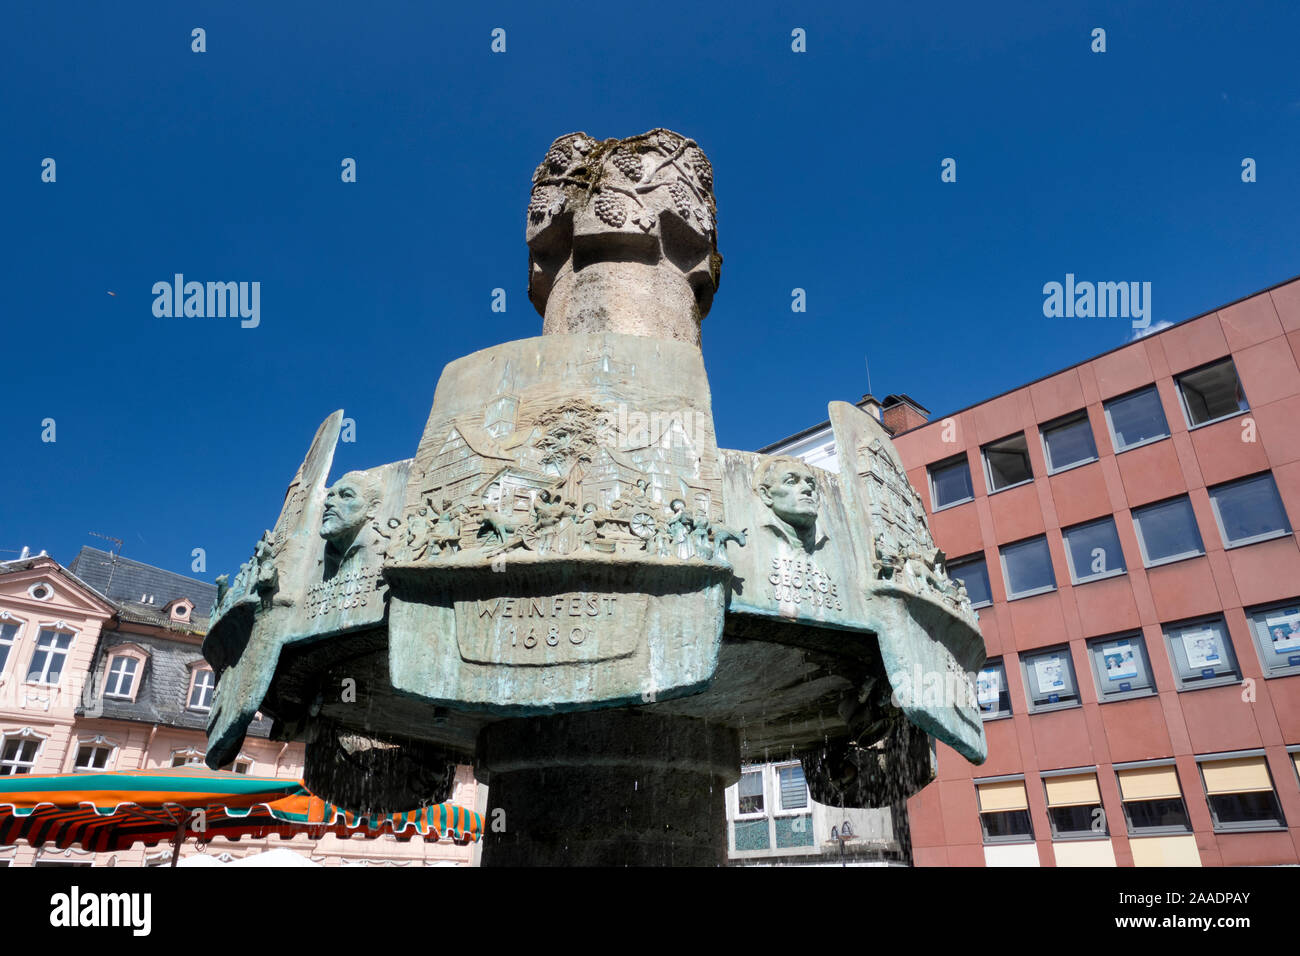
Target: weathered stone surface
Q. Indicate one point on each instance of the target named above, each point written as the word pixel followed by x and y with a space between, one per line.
pixel 622 236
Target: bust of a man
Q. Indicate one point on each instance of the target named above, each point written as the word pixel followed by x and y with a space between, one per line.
pixel 789 488
pixel 350 507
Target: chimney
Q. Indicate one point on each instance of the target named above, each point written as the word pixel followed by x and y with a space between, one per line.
pixel 871 405
pixel 26 552
pixel 899 413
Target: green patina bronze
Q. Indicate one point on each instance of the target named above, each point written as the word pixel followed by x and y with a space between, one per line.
pixel 568 552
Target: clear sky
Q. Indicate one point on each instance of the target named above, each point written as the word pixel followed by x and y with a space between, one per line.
pixel 178 433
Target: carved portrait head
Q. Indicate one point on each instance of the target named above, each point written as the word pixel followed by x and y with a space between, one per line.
pixel 788 486
pixel 350 505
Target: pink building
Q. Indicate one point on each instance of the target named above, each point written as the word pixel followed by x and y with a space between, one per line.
pixel 1127 529
pixel 101 669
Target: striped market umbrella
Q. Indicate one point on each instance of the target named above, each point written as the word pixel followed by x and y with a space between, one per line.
pixel 113 811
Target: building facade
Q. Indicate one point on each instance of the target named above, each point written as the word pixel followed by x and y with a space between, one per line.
pixel 101 668
pixel 1127 529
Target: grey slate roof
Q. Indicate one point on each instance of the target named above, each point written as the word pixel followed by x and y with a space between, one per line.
pixel 163 695
pixel 124 580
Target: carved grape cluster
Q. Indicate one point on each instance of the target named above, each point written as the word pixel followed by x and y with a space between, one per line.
pixel 681 197
pixel 703 169
pixel 538 206
pixel 629 164
pixel 610 209
pixel 558 158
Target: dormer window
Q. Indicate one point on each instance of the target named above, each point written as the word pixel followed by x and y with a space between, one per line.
pixel 180 609
pixel 124 670
pixel 121 676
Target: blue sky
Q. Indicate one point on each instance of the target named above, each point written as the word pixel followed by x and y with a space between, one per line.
pixel 177 433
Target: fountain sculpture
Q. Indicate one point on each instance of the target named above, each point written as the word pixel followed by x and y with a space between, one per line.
pixel 571 586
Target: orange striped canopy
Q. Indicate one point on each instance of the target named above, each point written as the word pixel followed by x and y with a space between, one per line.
pixel 113 811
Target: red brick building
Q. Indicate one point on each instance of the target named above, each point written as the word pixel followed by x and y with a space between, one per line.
pixel 1127 529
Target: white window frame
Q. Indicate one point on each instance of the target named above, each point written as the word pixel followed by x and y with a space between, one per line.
pixel 10 620
pixel 1000 714
pixel 1254 539
pixel 1075 579
pixel 1104 696
pixel 1182 397
pixel 189 753
pixel 99 743
pixel 1256 618
pixel 195 671
pixel 988 469
pixel 1219 680
pixel 1006 578
pixel 772 811
pixel 953 568
pixel 57 629
pixel 1026 659
pixel 1252 827
pixel 946 463
pixel 1110 425
pixel 1064 421
pixel 1142 543
pixel 25 734
pixel 116 676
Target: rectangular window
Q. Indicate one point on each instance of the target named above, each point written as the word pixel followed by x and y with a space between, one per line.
pixel 18 755
pixel 991 690
pixel 751 835
pixel 121 677
pixel 1121 667
pixel 794 831
pixel 1167 531
pixel 1093 550
pixel 1049 679
pixel 201 692
pixel 1006 463
pixel 1277 637
pixel 8 633
pixel 1152 801
pixel 1136 419
pixel 1004 812
pixel 48 658
pixel 187 758
pixel 950 483
pixel 1240 793
pixel 793 789
pixel 1074 806
pixel 973 574
pixel 93 757
pixel 1249 510
pixel 1068 442
pixel 751 792
pixel 1211 393
pixel 1201 654
pixel 1027 568
pixel 243 766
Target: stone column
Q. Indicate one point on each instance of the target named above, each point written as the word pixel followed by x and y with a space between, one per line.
pixel 607 788
pixel 622 236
